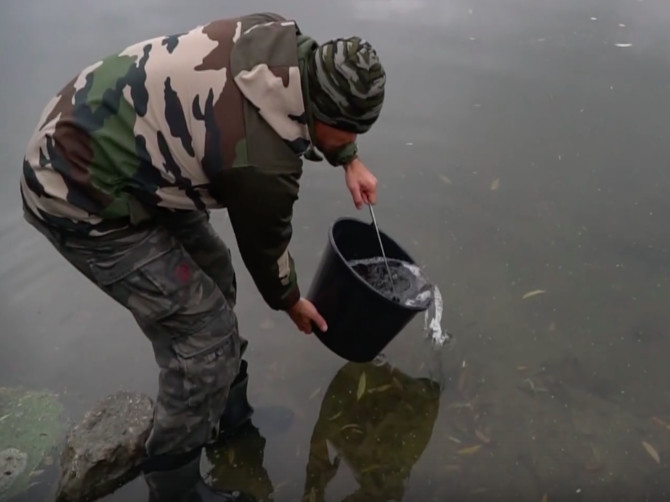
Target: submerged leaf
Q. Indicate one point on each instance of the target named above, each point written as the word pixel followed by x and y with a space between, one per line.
pixel 661 422
pixel 652 452
pixel 545 498
pixel 280 485
pixel 361 386
pixel 267 324
pixel 336 415
pixel 381 388
pixel 533 293
pixel 445 179
pixel 462 378
pixel 469 450
pixel 496 184
pixel 482 437
pixel 314 394
pixel 372 467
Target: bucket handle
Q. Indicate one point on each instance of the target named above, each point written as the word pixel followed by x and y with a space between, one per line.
pixel 379 237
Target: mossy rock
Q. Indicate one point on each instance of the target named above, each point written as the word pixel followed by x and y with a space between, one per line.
pixel 32 424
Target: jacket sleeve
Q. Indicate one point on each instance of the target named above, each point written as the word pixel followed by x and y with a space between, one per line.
pixel 260 206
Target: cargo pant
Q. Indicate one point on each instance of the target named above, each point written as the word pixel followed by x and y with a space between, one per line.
pixel 176 278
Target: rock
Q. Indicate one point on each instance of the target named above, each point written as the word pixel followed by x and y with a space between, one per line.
pixel 103 452
pixel 12 464
pixel 32 425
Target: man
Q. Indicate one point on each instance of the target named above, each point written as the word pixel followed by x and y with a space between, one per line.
pixel 129 157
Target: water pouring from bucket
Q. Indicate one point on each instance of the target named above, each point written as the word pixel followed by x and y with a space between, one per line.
pixel 351 290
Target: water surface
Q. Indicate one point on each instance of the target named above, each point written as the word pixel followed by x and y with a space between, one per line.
pixel 520 151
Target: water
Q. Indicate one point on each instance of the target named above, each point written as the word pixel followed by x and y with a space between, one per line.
pixel 433 320
pixel 406 285
pixel 519 149
pixel 409 286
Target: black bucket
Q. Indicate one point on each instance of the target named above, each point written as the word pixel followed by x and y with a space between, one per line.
pixel 361 320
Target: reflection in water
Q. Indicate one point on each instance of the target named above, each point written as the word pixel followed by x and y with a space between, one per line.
pixel 238 465
pixel 379 420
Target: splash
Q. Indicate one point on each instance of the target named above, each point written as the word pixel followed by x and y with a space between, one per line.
pixel 433 316
pixel 432 321
pixel 411 288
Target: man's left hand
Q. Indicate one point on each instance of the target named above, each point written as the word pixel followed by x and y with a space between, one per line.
pixel 361 183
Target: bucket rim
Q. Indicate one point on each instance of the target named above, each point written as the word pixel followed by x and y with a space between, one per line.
pixel 331 238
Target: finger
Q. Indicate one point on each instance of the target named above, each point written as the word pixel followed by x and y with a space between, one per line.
pixel 304 324
pixel 372 190
pixel 320 321
pixel 356 195
pixel 372 194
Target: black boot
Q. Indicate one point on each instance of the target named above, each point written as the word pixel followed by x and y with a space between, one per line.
pixel 178 479
pixel 238 411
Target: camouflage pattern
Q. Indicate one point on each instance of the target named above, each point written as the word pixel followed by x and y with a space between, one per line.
pixel 346 84
pixel 210 118
pixel 178 282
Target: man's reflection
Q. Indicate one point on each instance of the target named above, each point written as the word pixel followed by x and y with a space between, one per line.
pixel 237 464
pixel 379 420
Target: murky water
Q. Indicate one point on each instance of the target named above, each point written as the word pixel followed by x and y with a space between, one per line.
pixel 522 159
pixel 405 285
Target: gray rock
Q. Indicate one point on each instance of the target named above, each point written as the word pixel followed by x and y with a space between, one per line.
pixel 103 452
pixel 12 464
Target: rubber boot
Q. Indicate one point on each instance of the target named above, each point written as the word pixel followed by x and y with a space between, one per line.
pixel 238 411
pixel 183 483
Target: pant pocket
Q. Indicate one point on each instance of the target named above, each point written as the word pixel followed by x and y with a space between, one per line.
pixel 209 360
pixel 153 278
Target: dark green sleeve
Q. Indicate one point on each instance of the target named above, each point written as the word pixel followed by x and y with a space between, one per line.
pixel 260 206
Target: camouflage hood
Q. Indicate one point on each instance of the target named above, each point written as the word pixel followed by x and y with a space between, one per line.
pixel 275 91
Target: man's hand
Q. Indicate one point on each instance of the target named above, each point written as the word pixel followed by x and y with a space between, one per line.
pixel 361 183
pixel 303 312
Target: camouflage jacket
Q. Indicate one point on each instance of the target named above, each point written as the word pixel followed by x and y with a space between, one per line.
pixel 210 118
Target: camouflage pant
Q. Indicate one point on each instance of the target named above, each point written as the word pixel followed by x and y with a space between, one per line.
pixel 177 279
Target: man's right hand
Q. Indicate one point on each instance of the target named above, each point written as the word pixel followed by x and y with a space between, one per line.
pixel 303 312
pixel 361 183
